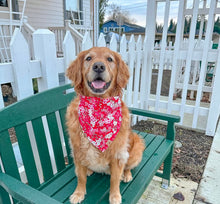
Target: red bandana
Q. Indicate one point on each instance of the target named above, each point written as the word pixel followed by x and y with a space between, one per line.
pixel 100 119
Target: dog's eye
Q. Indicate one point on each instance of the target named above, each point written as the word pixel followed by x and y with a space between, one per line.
pixel 88 58
pixel 109 59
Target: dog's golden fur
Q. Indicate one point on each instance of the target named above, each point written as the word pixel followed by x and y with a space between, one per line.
pixel 126 150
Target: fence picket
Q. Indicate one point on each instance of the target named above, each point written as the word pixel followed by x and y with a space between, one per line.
pixel 113 43
pixel 123 48
pixel 179 31
pixel 101 41
pixel 69 52
pixel 144 82
pixel 203 69
pixel 131 58
pixel 162 54
pixel 189 58
pixel 87 42
pixel 123 53
pixel 137 75
pixel 21 65
pixel 214 110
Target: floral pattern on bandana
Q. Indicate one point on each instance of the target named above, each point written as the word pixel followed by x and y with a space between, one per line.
pixel 100 119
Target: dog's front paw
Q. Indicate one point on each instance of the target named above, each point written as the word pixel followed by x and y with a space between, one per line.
pixel 115 198
pixel 77 197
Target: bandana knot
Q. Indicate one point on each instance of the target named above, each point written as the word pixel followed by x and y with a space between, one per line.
pixel 100 119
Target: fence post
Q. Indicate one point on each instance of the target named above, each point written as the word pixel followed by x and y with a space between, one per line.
pixel 45 51
pixel 214 110
pixel 148 47
pixel 69 51
pixel 21 65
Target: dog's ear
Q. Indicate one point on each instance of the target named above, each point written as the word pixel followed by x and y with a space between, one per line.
pixel 74 71
pixel 123 72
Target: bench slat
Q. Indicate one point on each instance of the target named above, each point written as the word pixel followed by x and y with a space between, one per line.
pixel 65 133
pixel 59 180
pixel 56 142
pixel 7 155
pixel 132 195
pixel 42 148
pixel 66 191
pixel 27 155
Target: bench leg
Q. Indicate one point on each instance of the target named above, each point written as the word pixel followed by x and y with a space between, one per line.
pixel 165 184
pixel 167 170
pixel 4 198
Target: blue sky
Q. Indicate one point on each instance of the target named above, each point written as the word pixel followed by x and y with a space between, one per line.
pixel 137 9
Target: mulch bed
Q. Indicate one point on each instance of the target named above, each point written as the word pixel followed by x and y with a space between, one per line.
pixel 190 159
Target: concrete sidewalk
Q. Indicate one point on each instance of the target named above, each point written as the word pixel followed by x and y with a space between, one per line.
pixel 157 195
pixel 209 187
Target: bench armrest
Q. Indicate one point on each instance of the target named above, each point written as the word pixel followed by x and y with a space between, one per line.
pixel 23 192
pixel 160 116
pixel 156 115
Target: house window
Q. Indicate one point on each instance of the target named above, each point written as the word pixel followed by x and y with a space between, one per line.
pixel 111 29
pixel 122 29
pixel 72 5
pixel 116 29
pixel 4 3
pixel 74 11
pixel 105 29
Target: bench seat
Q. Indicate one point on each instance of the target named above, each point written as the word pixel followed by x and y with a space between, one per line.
pixel 61 186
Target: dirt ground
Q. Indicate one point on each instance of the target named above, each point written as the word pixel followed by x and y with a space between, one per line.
pixel 190 159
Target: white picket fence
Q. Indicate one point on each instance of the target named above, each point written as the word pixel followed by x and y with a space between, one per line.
pixel 142 57
pixel 45 67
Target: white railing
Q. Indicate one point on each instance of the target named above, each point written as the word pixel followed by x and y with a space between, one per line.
pixel 7 27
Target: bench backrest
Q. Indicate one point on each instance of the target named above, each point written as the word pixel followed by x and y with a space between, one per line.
pixel 34 117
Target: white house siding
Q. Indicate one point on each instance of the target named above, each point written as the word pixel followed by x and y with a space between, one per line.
pixel 88 12
pixel 44 14
pixel 4 15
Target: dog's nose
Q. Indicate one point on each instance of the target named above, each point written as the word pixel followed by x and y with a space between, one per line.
pixel 98 67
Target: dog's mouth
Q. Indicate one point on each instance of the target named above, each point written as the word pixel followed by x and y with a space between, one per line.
pixel 98 85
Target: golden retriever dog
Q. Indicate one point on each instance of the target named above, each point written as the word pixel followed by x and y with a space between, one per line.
pixel 99 74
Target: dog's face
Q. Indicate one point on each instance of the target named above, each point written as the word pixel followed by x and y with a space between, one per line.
pixel 98 72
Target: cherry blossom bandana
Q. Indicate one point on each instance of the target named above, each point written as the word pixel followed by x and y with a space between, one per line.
pixel 100 119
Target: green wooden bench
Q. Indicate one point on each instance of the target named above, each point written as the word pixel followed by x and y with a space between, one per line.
pixel 56 188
